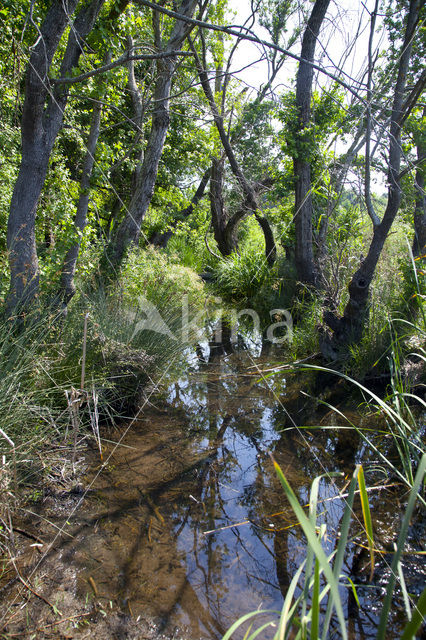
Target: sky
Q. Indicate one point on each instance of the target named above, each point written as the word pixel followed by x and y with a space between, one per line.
pixel 346 22
pixel 343 43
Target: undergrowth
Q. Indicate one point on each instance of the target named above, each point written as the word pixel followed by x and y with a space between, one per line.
pixel 111 349
pixel 246 280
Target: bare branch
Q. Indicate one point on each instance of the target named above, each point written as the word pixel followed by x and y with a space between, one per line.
pixel 132 84
pixel 122 60
pixel 415 94
pixel 367 194
pixel 252 38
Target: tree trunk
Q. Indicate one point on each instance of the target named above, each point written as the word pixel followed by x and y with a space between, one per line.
pixel 349 328
pixel 226 242
pixel 303 215
pixel 129 230
pixel 270 247
pixel 67 287
pixel 419 243
pixel 39 127
pixel 225 234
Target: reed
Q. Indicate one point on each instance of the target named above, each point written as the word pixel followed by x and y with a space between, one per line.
pixel 307 616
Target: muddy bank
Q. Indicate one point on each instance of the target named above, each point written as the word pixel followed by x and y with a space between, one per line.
pixel 76 549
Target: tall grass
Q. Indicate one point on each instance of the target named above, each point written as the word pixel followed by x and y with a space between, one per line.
pixel 246 280
pixel 398 291
pixel 239 277
pixel 127 353
pixel 26 409
pixel 190 251
pixel 159 278
pixel 403 425
pixel 310 606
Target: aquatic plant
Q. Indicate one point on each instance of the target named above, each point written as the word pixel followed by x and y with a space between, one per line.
pixel 402 422
pixel 309 607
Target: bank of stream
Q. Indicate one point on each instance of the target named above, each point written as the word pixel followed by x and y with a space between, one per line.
pixel 182 527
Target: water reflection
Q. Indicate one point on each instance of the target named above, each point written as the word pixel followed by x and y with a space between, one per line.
pixel 189 522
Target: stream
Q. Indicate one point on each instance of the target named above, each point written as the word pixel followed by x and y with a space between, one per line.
pixel 185 519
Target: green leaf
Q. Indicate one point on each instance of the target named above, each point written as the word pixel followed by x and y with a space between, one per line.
pixel 367 518
pixel 287 613
pixel 353 587
pixel 315 603
pixel 310 533
pixel 418 480
pixel 342 544
pixel 245 618
pixel 404 591
pixel 418 617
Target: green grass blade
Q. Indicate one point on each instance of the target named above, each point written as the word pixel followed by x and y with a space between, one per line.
pixel 419 613
pixel 418 480
pixel 311 536
pixel 245 618
pixel 392 413
pixel 342 544
pixel 362 435
pixel 259 630
pixel 405 595
pixel 353 587
pixel 288 611
pixel 313 508
pixel 366 514
pixel 315 603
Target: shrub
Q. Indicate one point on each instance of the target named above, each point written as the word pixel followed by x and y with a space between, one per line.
pixel 160 279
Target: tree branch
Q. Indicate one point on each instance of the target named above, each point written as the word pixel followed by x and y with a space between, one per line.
pixel 252 38
pixel 415 94
pixel 367 193
pixel 122 60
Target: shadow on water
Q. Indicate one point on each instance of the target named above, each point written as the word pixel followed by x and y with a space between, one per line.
pixel 188 522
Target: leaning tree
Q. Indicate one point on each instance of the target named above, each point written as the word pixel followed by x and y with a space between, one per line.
pixel 349 327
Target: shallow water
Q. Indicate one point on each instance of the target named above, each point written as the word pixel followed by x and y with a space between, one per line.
pixel 187 520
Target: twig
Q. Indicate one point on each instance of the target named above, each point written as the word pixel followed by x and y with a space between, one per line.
pixel 53 624
pixel 29 535
pixel 33 591
pixel 83 363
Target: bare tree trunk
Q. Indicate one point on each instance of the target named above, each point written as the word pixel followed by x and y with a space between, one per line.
pixel 349 328
pixel 270 247
pixel 39 127
pixel 305 264
pixel 67 287
pixel 419 243
pixel 129 230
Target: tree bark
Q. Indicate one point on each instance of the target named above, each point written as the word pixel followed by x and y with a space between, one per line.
pixel 129 230
pixel 225 238
pixel 39 128
pixel 419 242
pixel 305 265
pixel 349 328
pixel 67 287
pixel 270 247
